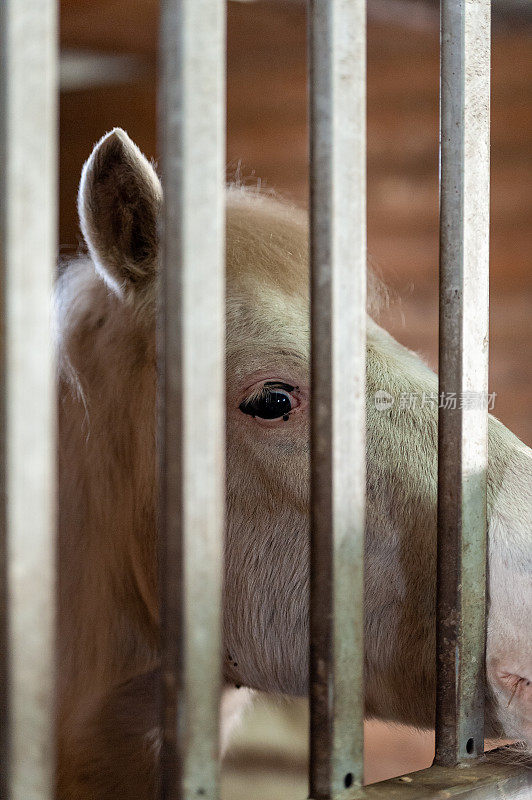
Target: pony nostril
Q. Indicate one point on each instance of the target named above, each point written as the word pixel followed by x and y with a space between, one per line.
pixel 516 687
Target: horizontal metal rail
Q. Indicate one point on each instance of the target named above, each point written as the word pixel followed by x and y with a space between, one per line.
pixel 192 391
pixel 463 371
pixel 28 249
pixel 479 781
pixel 338 335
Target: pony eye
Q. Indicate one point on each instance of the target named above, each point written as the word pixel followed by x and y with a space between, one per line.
pixel 272 401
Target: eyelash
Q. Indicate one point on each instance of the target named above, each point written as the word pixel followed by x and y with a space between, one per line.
pixel 268 386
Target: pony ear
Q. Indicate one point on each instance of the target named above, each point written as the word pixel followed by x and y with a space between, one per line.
pixel 119 200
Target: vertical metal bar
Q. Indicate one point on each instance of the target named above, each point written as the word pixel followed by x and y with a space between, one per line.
pixel 192 390
pixel 338 294
pixel 4 669
pixel 28 164
pixel 463 434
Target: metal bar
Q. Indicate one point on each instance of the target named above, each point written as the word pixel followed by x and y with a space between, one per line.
pixel 192 390
pixel 483 780
pixel 28 164
pixel 463 368
pixel 4 668
pixel 338 294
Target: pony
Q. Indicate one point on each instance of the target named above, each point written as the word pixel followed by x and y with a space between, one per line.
pixel 108 620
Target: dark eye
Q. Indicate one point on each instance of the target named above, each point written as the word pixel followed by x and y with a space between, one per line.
pixel 271 402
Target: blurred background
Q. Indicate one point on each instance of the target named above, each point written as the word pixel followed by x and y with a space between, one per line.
pixel 108 78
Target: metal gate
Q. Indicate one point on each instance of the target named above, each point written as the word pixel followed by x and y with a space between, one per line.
pixel 191 377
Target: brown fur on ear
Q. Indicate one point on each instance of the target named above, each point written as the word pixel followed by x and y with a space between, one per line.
pixel 119 200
